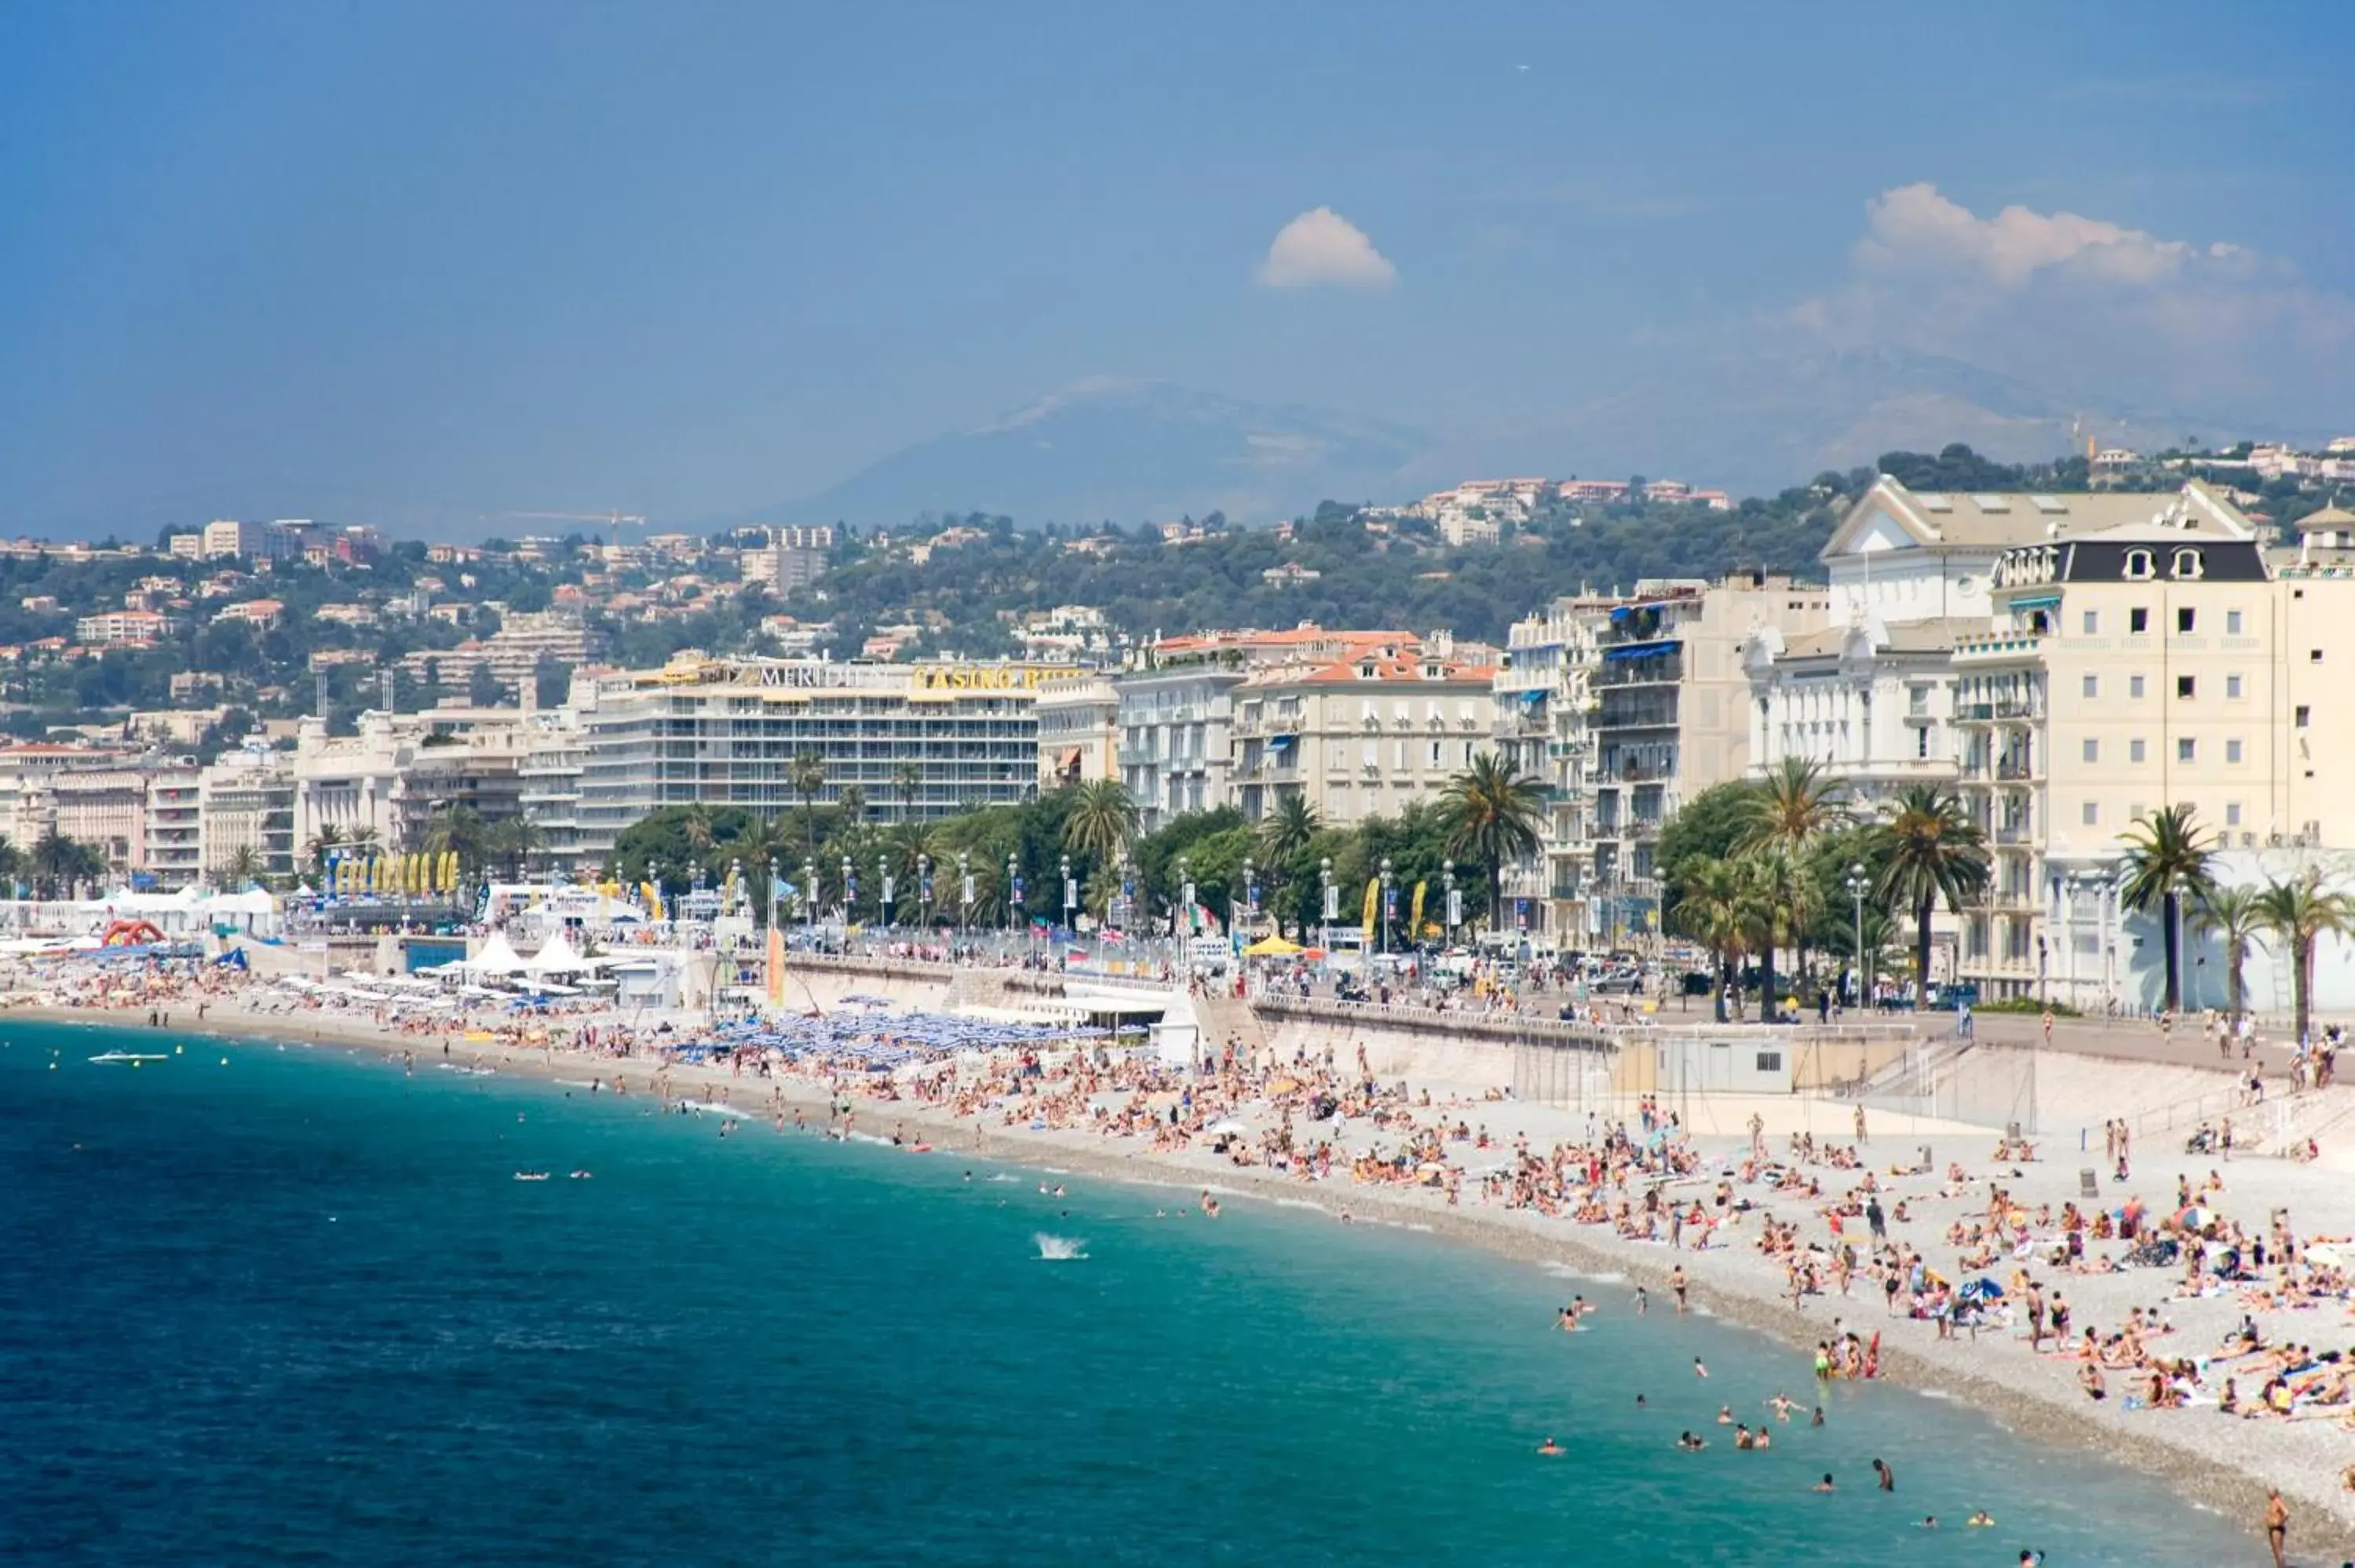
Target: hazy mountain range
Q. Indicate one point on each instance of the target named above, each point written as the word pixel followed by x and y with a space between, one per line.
pixel 1134 451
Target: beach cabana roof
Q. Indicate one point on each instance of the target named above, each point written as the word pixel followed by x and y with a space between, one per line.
pixel 557 956
pixel 496 958
pixel 1273 947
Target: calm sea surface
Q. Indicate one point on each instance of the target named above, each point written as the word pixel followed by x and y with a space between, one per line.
pixel 295 1308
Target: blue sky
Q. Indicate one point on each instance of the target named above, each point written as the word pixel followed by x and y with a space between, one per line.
pixel 433 260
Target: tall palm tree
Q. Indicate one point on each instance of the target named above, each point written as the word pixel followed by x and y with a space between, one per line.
pixel 242 868
pixel 456 830
pixel 364 839
pixel 323 845
pixel 1492 809
pixel 1712 909
pixel 853 801
pixel 2235 916
pixel 1929 850
pixel 1788 809
pixel 807 776
pixel 2300 913
pixel 909 777
pixel 1787 813
pixel 2165 862
pixel 56 860
pixel 694 827
pixel 1779 901
pixel 517 841
pixel 1101 821
pixel 1284 835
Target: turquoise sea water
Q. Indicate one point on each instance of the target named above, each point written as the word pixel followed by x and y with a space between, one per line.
pixel 296 1308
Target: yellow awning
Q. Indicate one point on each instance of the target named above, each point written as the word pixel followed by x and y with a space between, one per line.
pixel 1272 948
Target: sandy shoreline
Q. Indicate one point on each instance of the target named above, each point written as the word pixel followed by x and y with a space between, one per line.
pixel 2224 1466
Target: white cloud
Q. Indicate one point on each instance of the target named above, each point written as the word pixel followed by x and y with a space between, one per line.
pixel 1319 248
pixel 1914 229
pixel 2063 300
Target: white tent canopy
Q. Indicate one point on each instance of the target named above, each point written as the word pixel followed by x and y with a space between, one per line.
pixel 558 957
pixel 496 958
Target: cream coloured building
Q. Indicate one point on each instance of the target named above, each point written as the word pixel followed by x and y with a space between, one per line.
pixel 1079 730
pixel 1364 734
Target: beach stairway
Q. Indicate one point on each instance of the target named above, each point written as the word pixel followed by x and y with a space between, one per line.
pixel 1223 1018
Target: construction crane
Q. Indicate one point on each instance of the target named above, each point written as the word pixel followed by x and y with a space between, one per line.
pixel 613 520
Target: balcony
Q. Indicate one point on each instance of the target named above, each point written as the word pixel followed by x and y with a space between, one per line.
pixel 2015 833
pixel 1665 668
pixel 2016 769
pixel 2011 709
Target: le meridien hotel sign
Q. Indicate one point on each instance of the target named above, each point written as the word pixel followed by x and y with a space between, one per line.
pixel 821 674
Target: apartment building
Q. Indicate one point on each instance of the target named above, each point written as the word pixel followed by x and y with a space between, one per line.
pixel 727 732
pixel 547 781
pixel 1176 710
pixel 2153 664
pixel 1079 730
pixel 1544 695
pixel 175 835
pixel 788 559
pixel 246 801
pixel 1670 718
pixel 1361 735
pixel 127 628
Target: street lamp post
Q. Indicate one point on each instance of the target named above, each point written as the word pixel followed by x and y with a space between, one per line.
pixel 1071 892
pixel 1447 905
pixel 1186 907
pixel 773 892
pixel 1388 898
pixel 1013 893
pixel 883 889
pixel 924 888
pixel 964 893
pixel 809 894
pixel 1250 893
pixel 1325 903
pixel 849 896
pixel 1857 883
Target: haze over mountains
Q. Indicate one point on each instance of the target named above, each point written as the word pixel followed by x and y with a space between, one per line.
pixel 1129 451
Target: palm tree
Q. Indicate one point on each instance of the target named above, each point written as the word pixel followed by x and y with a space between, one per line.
pixel 1787 813
pixel 1712 909
pixel 323 845
pixel 2300 913
pixel 694 827
pixel 363 839
pixel 1787 809
pixel 1929 850
pixel 1101 821
pixel 456 830
pixel 853 801
pixel 2234 915
pixel 909 778
pixel 56 860
pixel 1493 809
pixel 242 868
pixel 807 776
pixel 1779 901
pixel 515 841
pixel 2166 861
pixel 12 862
pixel 1285 834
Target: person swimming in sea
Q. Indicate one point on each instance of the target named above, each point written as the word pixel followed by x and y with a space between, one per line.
pixel 1550 1447
pixel 1692 1442
pixel 1825 1484
pixel 1982 1520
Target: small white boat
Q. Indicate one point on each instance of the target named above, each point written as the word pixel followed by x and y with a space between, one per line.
pixel 531 1175
pixel 128 1056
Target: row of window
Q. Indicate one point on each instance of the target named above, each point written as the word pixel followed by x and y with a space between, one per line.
pixel 2186 686
pixel 2187 749
pixel 2091 814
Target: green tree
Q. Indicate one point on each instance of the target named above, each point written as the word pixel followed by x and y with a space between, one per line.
pixel 1493 812
pixel 1284 835
pixel 1714 911
pixel 1100 822
pixel 323 847
pixel 807 777
pixel 12 862
pixel 909 777
pixel 459 831
pixel 1706 827
pixel 242 868
pixel 2300 914
pixel 2236 916
pixel 1930 851
pixel 2167 863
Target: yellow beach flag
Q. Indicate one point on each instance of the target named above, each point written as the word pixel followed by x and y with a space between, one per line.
pixel 1374 902
pixel 448 871
pixel 1415 920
